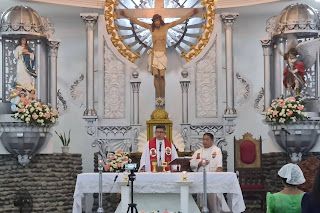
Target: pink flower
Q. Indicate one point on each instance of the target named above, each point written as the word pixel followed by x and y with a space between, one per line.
pixel 21 110
pixel 125 159
pixel 47 115
pixel 119 164
pixel 282 104
pixel 289 112
pixel 55 112
pixel 269 108
pixel 112 158
pixel 26 103
pixel 107 167
pixel 34 116
pixel 275 113
pixel 300 107
pixel 292 99
pixel 119 151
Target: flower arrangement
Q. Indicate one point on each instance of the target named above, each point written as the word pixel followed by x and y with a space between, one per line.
pixel 36 113
pixel 285 111
pixel 116 161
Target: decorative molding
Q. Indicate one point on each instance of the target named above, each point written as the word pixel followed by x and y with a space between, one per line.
pixel 228 19
pixel 266 45
pixel 91 130
pixel 114 129
pixel 207 29
pixel 90 20
pixel 257 101
pixel 61 99
pixel 206 85
pixel 243 89
pixel 112 30
pixel 106 145
pixel 114 86
pixel 77 92
pixel 206 128
pixel 54 46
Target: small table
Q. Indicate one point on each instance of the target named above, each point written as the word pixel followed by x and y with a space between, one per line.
pixel 161 184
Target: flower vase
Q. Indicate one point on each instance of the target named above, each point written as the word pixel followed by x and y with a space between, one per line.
pixel 65 149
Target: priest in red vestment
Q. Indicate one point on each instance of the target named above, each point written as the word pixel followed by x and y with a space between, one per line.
pixel 158 149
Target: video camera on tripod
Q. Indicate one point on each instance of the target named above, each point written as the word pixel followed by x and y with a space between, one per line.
pixel 132 167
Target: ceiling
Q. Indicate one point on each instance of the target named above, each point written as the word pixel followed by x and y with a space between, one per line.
pixel 63 11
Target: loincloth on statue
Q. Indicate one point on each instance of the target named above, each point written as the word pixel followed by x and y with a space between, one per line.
pixel 156 60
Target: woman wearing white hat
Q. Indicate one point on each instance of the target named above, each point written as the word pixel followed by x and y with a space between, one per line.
pixel 288 200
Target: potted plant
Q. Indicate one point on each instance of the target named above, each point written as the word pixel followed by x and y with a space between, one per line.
pixel 65 141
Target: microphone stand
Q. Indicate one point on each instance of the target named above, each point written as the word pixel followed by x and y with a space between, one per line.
pixel 204 208
pixel 287 133
pixel 160 153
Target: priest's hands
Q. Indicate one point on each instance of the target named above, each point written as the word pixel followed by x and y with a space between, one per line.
pixel 219 169
pixel 143 169
pixel 200 163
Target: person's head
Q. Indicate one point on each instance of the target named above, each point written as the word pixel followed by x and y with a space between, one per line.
pixel 22 94
pixel 160 132
pixel 32 91
pixel 23 41
pixel 207 140
pixel 157 21
pixel 291 175
pixel 292 55
pixel 316 187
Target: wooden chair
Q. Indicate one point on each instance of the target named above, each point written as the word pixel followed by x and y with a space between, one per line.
pixel 247 163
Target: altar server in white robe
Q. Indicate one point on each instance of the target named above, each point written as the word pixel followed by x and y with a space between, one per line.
pixel 213 156
pixel 160 149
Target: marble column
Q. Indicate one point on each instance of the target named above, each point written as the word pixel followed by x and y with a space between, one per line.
pixel 135 83
pixel 184 82
pixel 53 55
pixel 228 20
pixel 90 19
pixel 267 53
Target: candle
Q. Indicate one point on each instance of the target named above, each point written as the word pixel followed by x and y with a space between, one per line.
pixel 184 176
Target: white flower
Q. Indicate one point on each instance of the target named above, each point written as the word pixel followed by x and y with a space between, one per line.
pixel 32 109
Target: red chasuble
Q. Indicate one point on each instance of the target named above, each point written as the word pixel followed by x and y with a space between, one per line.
pixel 153 152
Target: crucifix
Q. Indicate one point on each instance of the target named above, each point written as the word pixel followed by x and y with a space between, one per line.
pixel 157 60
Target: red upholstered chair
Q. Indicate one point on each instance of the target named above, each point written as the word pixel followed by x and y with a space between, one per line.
pixel 247 164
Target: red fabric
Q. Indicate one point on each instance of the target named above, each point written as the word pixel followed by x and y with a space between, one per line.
pixel 251 186
pixel 301 72
pixel 247 152
pixel 167 158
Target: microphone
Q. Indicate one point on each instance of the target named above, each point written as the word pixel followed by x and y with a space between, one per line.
pixel 115 178
pixel 286 131
pixel 160 150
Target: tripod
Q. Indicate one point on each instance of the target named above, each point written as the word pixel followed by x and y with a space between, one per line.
pixel 132 206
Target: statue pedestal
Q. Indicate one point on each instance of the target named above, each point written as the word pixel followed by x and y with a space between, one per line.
pixel 22 140
pixel 299 139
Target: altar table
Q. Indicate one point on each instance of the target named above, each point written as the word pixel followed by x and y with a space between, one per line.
pixel 217 182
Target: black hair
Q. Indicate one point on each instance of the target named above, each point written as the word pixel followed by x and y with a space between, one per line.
pixel 161 127
pixel 315 194
pixel 208 134
pixel 284 180
pixel 154 18
pixel 292 51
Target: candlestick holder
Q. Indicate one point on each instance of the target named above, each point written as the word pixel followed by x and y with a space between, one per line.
pixel 154 166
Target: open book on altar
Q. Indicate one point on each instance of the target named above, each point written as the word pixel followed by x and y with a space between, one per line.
pixel 184 163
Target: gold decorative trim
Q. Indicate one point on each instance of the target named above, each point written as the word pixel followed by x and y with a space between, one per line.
pixel 207 29
pixel 112 30
pixel 125 50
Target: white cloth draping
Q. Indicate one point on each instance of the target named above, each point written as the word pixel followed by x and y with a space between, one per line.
pixel 217 182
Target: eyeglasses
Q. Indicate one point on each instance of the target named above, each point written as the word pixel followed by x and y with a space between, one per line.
pixel 160 132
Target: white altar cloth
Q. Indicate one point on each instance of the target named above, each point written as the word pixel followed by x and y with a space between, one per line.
pixel 217 182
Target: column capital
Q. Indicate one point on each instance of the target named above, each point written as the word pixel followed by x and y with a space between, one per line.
pixel 228 19
pixel 54 46
pixel 266 45
pixel 90 19
pixel 184 85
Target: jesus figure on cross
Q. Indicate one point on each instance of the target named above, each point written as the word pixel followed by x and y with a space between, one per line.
pixel 158 56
